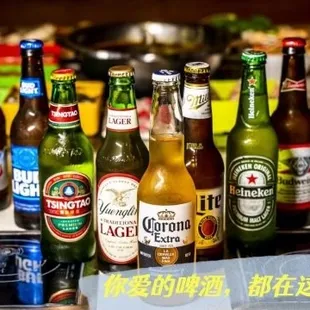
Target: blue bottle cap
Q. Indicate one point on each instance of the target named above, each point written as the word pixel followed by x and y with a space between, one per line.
pixel 165 75
pixel 31 44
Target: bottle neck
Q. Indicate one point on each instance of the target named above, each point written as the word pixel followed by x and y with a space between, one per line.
pixel 197 111
pixel 166 135
pixel 32 85
pixel 253 103
pixel 64 111
pixel 122 112
pixel 293 88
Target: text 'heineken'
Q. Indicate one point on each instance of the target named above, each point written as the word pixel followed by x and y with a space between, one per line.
pixel 121 162
pixel 166 212
pixel 252 155
pixel 66 178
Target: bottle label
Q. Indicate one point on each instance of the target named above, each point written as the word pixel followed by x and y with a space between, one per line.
pixel 3 170
pixel 67 205
pixel 166 234
pixel 31 87
pixel 63 116
pixel 251 113
pixel 209 217
pixel 122 120
pixel 64 297
pixel 25 179
pixel 291 85
pixel 117 217
pixel 251 192
pixel 196 101
pixel 294 177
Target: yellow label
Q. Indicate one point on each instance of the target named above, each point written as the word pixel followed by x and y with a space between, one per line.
pixel 294 176
pixel 209 217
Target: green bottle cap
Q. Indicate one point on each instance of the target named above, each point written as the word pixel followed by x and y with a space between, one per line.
pixel 253 57
pixel 63 75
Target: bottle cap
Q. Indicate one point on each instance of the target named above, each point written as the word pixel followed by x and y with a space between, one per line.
pixel 293 42
pixel 121 71
pixel 165 75
pixel 197 67
pixel 31 44
pixel 254 57
pixel 63 75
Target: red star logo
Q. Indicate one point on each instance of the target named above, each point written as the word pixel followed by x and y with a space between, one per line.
pixel 252 179
pixel 252 82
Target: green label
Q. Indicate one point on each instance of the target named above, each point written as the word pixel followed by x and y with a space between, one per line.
pixel 251 192
pixel 67 205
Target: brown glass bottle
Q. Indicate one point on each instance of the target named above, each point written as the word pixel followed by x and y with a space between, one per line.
pixel 27 130
pixel 4 184
pixel 203 161
pixel 291 121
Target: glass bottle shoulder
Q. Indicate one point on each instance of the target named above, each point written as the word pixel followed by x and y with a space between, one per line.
pixel 65 146
pixel 123 151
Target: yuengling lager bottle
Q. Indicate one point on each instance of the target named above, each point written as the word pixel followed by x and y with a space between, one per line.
pixel 252 156
pixel 66 178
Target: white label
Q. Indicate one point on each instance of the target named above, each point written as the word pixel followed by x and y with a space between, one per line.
pixel 294 177
pixel 166 226
pixel 3 170
pixel 209 217
pixel 122 120
pixel 117 217
pixel 196 102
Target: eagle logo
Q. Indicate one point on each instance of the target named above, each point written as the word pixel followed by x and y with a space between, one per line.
pixel 120 196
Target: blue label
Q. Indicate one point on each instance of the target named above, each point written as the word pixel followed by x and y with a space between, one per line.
pixel 31 87
pixel 25 179
pixel 30 285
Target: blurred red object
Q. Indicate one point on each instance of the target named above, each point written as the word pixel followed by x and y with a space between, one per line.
pixel 10 54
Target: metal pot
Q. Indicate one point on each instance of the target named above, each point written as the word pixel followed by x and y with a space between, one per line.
pixel 147 46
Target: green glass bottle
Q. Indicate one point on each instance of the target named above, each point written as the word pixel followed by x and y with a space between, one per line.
pixel 251 169
pixel 66 165
pixel 120 164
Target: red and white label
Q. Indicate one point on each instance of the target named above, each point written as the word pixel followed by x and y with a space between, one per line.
pixel 122 120
pixel 117 217
pixel 64 115
pixel 291 85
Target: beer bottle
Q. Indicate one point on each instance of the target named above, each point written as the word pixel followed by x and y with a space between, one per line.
pixel 203 161
pixel 27 130
pixel 291 120
pixel 4 183
pixel 166 193
pixel 120 163
pixel 66 178
pixel 252 155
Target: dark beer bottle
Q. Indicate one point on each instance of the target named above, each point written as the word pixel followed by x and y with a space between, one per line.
pixel 121 162
pixel 4 183
pixel 291 121
pixel 252 160
pixel 203 161
pixel 66 166
pixel 27 130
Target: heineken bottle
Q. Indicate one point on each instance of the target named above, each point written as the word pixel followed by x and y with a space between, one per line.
pixel 252 156
pixel 66 178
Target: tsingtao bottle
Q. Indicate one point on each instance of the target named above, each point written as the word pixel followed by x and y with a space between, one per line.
pixel 66 178
pixel 120 164
pixel 291 120
pixel 27 131
pixel 252 157
pixel 203 161
pixel 166 194
pixel 5 197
